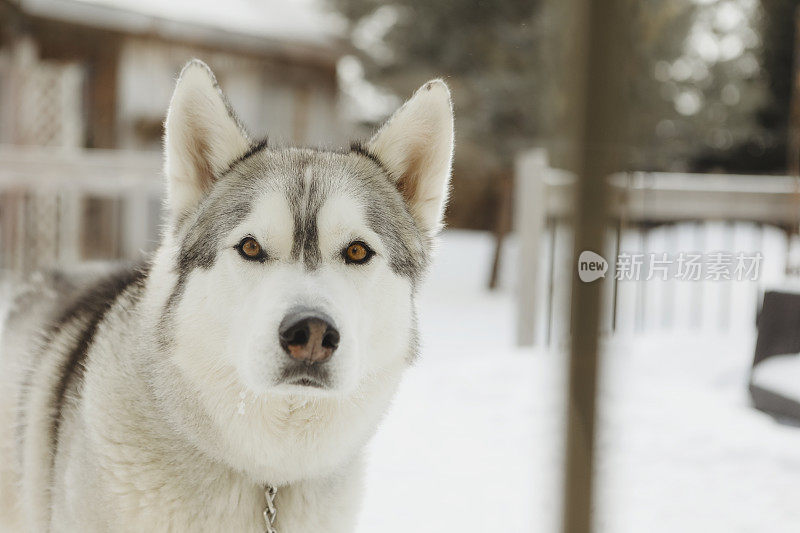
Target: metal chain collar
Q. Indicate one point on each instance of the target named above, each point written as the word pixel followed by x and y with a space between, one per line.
pixel 270 512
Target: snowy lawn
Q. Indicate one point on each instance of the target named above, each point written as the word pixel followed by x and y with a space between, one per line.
pixel 473 440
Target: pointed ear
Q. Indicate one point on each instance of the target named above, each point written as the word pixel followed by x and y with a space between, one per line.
pixel 202 137
pixel 416 147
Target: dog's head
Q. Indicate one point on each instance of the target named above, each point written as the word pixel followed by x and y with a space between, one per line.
pixel 295 267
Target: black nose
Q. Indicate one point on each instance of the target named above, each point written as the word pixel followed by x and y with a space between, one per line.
pixel 308 336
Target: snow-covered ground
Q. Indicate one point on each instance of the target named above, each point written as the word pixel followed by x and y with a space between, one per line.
pixel 473 441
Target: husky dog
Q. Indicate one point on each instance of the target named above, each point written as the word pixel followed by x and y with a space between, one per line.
pixel 259 348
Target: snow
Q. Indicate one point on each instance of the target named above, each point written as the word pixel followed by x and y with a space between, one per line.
pixel 780 374
pixel 473 440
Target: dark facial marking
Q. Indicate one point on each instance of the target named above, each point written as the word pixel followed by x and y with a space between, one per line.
pixel 357 147
pixel 216 216
pixel 305 201
pixel 201 241
pixel 255 148
pixel 388 216
pixel 312 257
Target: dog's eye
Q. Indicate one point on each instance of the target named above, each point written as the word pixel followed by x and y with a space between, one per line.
pixel 250 249
pixel 357 252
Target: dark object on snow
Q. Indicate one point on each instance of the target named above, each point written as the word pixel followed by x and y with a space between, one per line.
pixel 778 334
pixel 778 325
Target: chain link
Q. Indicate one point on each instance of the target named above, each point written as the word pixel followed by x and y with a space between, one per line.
pixel 270 512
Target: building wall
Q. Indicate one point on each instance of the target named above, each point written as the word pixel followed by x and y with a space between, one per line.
pixel 41 101
pixel 289 102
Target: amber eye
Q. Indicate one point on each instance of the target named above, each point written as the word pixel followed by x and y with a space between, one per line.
pixel 250 249
pixel 357 252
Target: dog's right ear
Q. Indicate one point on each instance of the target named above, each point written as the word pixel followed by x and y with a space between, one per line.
pixel 202 137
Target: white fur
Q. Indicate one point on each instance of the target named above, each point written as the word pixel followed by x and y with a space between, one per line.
pixel 185 438
pixel 201 137
pixel 416 145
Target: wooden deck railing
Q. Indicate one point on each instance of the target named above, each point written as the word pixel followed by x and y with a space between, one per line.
pixel 640 202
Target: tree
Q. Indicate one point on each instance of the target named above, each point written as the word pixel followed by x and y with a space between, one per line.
pixel 491 55
pixel 764 73
pixel 699 85
pixel 778 37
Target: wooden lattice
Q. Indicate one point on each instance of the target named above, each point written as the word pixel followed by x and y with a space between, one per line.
pixel 44 100
pixel 49 110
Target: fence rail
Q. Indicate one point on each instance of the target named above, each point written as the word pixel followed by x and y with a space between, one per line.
pixel 64 206
pixel 96 172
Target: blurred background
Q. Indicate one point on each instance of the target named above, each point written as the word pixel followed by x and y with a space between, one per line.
pixel 698 399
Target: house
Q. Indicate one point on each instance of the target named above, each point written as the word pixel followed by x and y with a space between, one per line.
pixel 99 73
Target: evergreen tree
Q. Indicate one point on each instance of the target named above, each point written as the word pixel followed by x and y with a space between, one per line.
pixel 491 55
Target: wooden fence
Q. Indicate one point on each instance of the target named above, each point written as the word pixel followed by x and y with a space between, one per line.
pixel 65 206
pixel 648 211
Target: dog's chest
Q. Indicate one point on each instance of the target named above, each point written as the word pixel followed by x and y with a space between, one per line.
pixel 136 499
pixel 220 515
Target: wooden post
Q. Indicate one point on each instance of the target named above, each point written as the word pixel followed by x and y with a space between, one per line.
pixel 793 144
pixel 102 80
pixel 502 225
pixel 301 114
pixel 793 152
pixel 70 211
pixel 529 221
pixel 596 88
pixel 135 226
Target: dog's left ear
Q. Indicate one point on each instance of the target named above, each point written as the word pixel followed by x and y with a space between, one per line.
pixel 202 138
pixel 416 147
